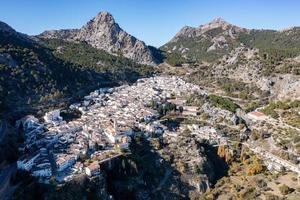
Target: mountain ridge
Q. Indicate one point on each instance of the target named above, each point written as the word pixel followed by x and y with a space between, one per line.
pixel 36 73
pixel 102 32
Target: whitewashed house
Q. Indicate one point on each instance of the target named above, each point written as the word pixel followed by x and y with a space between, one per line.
pixel 257 116
pixel 53 117
pixel 28 122
pixel 64 161
pixel 42 172
pixel 27 163
pixel 78 167
pixel 93 169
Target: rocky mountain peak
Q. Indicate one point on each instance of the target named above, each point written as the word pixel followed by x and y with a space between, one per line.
pixel 102 32
pixel 101 24
pixel 187 31
pixel 104 17
pixel 218 20
pixel 216 23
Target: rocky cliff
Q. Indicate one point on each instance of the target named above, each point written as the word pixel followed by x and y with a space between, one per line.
pixel 102 32
pixel 218 23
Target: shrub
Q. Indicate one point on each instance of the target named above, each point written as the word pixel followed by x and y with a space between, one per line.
pixel 223 103
pixel 284 189
pixel 254 168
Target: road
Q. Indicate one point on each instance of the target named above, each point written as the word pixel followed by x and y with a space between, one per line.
pixel 283 124
pixel 278 122
pixel 5 176
pixel 269 156
pixel 110 158
pixel 266 155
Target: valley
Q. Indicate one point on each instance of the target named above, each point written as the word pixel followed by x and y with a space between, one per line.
pixel 119 123
pixel 95 113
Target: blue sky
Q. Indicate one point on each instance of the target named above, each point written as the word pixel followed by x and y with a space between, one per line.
pixel 153 21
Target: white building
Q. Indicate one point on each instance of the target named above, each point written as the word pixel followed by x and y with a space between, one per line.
pixel 53 117
pixel 27 163
pixel 78 167
pixel 93 169
pixel 154 128
pixel 43 172
pixel 64 161
pixel 28 122
pixel 257 116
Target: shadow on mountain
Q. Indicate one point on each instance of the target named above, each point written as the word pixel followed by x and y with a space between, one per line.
pixel 157 54
pixel 144 174
pixel 34 80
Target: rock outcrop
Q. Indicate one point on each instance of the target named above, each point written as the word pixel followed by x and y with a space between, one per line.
pixel 102 32
pixel 191 32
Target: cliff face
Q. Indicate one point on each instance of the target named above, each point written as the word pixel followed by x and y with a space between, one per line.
pixel 102 32
pixel 157 169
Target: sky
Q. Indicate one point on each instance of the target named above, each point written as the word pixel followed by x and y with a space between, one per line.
pixel 153 21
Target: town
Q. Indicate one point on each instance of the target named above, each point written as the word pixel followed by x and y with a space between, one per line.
pixel 110 118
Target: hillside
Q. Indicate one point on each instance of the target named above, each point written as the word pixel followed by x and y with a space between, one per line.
pixel 238 62
pixel 95 113
pixel 211 41
pixel 35 76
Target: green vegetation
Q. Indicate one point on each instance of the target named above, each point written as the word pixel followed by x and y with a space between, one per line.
pixel 279 105
pixel 54 73
pixel 238 89
pixel 195 100
pixel 284 189
pixel 270 111
pixel 223 103
pixel 274 48
pixel 196 49
pixel 278 44
pixel 175 59
pixel 88 57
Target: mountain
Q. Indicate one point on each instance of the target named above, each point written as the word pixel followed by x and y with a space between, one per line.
pixel 211 41
pixel 36 74
pixel 204 43
pixel 223 27
pixel 102 32
pixel 239 61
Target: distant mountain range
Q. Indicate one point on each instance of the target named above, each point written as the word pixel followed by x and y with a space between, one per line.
pixel 238 60
pixel 37 72
pixel 213 40
pixel 43 70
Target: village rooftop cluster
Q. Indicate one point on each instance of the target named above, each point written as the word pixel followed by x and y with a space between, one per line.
pixel 109 119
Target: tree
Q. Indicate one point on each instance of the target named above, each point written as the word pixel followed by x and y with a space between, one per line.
pixel 221 151
pixel 254 168
pixel 284 189
pixel 180 109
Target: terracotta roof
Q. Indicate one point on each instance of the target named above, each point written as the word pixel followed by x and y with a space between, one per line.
pixel 257 114
pixel 94 166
